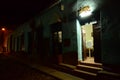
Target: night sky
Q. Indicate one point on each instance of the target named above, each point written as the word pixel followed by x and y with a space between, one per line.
pixel 14 12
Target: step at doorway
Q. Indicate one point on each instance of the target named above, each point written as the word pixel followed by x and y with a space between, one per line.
pixel 89 60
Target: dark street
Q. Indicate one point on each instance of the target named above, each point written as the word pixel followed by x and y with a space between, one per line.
pixel 59 40
pixel 13 70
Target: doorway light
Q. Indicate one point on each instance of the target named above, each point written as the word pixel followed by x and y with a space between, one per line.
pixel 85 11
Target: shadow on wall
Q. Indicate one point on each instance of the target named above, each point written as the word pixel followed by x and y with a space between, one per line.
pixel 70 58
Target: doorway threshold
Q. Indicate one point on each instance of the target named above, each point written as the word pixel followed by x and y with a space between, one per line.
pixel 89 60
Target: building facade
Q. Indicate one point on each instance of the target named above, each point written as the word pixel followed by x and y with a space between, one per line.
pixel 61 35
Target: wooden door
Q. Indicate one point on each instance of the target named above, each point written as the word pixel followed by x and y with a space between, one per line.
pixel 97 42
pixel 56 40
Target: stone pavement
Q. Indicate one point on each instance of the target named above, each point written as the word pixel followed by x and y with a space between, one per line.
pixel 10 69
pixel 50 71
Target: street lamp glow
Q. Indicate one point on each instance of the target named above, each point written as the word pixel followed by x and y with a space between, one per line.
pixel 3 29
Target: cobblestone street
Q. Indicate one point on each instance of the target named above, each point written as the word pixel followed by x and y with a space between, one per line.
pixel 13 70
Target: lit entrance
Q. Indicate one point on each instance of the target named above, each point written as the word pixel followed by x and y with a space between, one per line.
pixel 89 57
pixel 89 42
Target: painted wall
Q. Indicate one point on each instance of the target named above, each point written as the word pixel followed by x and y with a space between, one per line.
pixel 51 16
pixel 69 26
pixel 70 53
pixel 44 20
pixel 79 40
pixel 23 29
pixel 110 36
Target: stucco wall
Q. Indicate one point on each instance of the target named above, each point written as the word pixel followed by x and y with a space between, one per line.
pixel 110 36
pixel 51 16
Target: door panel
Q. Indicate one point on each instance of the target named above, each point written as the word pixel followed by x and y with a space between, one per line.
pixel 97 42
pixel 56 35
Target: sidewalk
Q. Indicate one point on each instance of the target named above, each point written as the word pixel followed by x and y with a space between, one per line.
pixel 53 72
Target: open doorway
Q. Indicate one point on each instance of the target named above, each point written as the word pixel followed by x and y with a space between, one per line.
pixel 90 39
pixel 87 42
pixel 91 42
